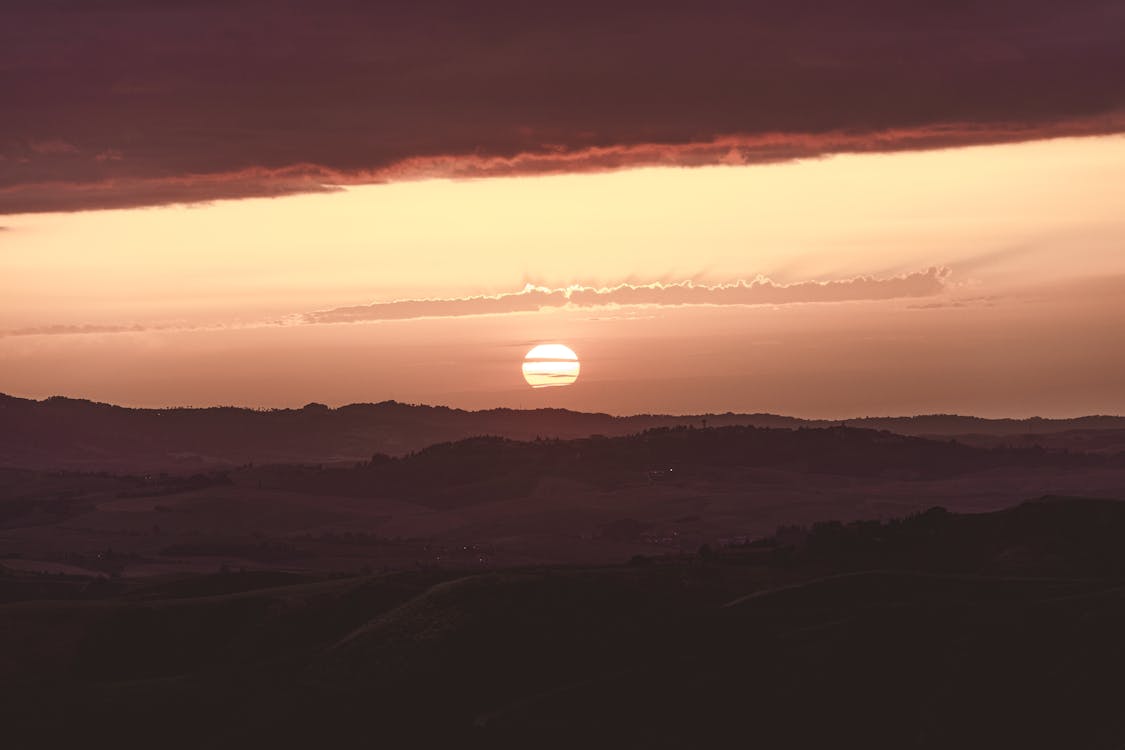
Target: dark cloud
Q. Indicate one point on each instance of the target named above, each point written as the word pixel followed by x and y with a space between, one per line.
pixel 121 102
pixel 127 192
pixel 760 291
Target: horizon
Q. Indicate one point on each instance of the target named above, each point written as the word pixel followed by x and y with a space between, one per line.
pixel 387 402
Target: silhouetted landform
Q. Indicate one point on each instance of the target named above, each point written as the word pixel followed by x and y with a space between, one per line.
pixel 491 502
pixel 934 630
pixel 489 468
pixel 63 433
pixel 679 586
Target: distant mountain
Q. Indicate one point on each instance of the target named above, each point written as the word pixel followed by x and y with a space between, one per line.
pixel 64 433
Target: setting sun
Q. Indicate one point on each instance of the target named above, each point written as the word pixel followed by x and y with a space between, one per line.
pixel 549 365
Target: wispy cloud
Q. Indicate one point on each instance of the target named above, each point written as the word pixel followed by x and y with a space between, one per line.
pixel 52 147
pixel 69 330
pixel 955 302
pixel 532 298
pixel 758 291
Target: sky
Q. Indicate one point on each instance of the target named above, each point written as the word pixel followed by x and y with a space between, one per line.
pixel 899 208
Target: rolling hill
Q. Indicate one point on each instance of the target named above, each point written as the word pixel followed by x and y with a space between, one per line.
pixel 63 433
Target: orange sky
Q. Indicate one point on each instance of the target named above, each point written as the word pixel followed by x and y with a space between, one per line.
pixel 1022 316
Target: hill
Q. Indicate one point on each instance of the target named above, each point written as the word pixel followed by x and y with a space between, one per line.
pixel 490 468
pixel 492 502
pixel 63 433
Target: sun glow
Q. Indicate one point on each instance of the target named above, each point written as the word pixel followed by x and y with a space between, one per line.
pixel 549 365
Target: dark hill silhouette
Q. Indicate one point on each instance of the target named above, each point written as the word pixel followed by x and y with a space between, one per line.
pixel 491 468
pixel 497 502
pixel 64 433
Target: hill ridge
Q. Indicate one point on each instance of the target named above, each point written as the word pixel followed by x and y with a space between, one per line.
pixel 78 434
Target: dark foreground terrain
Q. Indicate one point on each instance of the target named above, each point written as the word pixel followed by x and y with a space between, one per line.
pixel 491 502
pixel 689 585
pixel 937 630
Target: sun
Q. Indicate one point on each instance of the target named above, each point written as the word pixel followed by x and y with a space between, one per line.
pixel 550 365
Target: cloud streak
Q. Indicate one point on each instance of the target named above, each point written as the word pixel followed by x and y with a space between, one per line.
pixel 759 291
pixel 533 298
pixel 70 330
pixel 124 103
